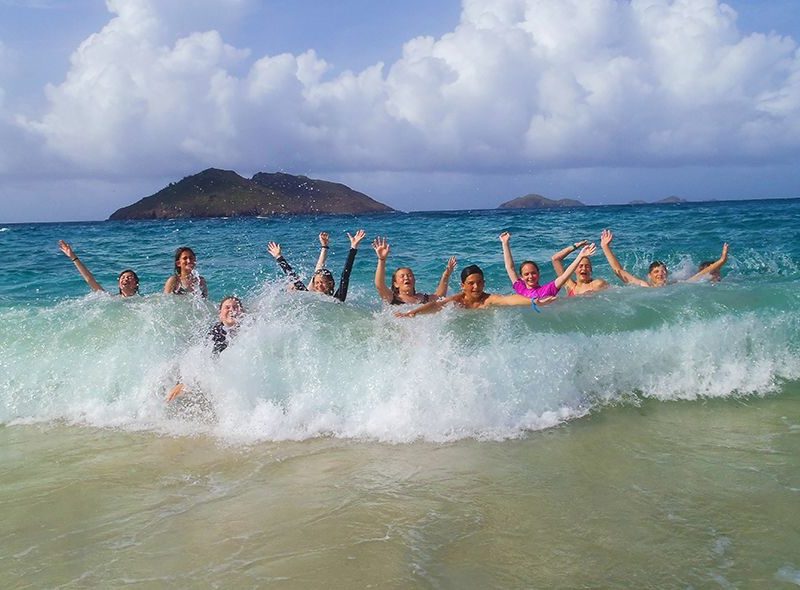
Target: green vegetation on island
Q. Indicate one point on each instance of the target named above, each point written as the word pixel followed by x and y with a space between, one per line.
pixel 223 193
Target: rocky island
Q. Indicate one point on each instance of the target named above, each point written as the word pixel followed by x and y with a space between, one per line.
pixel 534 201
pixel 223 193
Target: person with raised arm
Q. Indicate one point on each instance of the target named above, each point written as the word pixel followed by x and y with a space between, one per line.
pixel 220 334
pixel 322 280
pixel 127 281
pixel 583 282
pixel 710 269
pixel 527 284
pixel 472 296
pixel 403 288
pixel 185 278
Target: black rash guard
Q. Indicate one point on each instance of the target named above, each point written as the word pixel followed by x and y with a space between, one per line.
pixel 344 282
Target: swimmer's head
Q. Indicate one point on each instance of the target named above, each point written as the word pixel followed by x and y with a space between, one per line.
pixel 322 281
pixel 658 273
pixel 403 280
pixel 584 270
pixel 128 283
pixel 529 272
pixel 185 259
pixel 230 308
pixel 472 282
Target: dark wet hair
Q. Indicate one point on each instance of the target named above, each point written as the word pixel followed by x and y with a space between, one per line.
pixel 472 269
pixel 655 264
pixel 235 298
pixel 324 272
pixel 395 290
pixel 705 264
pixel 178 254
pixel 135 278
pixel 536 266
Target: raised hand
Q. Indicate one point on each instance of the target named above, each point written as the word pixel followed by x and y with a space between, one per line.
pixel 451 265
pixel 275 249
pixel 66 248
pixel 505 237
pixel 606 237
pixel 323 239
pixel 381 247
pixel 356 239
pixel 588 250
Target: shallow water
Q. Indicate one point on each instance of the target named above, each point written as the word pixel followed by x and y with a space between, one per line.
pixel 633 438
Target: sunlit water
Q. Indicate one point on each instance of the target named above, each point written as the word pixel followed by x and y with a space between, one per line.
pixel 634 438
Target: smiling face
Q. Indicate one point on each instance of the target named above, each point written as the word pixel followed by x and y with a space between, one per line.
pixel 322 283
pixel 473 286
pixel 185 261
pixel 658 274
pixel 584 271
pixel 529 273
pixel 229 311
pixel 403 281
pixel 128 283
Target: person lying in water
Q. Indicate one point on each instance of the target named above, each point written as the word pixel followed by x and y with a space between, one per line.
pixel 472 296
pixel 526 283
pixel 322 280
pixel 404 282
pixel 711 268
pixel 185 278
pixel 583 282
pixel 657 273
pixel 220 334
pixel 127 281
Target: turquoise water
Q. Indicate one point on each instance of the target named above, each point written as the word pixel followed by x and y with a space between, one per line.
pixel 632 438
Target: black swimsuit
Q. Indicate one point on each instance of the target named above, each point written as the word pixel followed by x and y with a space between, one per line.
pixel 219 335
pixel 344 282
pixel 396 301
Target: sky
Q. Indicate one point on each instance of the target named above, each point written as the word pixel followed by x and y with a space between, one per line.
pixel 421 105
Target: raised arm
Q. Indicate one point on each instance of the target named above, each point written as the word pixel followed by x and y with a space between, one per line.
pixel 558 258
pixel 605 242
pixel 381 247
pixel 505 238
pixel 85 272
pixel 441 289
pixel 323 254
pixel 275 250
pixel 714 266
pixel 344 282
pixel 565 275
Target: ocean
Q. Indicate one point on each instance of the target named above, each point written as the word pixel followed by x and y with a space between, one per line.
pixel 632 438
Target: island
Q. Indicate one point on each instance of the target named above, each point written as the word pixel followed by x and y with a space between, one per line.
pixel 534 201
pixel 673 200
pixel 223 193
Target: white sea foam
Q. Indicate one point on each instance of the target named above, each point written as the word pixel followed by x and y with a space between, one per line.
pixel 303 366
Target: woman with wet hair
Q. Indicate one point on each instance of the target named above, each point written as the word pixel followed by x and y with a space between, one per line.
pixel 403 289
pixel 185 278
pixel 220 334
pixel 583 282
pixel 322 279
pixel 127 281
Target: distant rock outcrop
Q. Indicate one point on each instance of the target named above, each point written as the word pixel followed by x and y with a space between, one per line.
pixel 223 193
pixel 533 201
pixel 667 201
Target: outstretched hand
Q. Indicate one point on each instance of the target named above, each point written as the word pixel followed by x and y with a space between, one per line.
pixel 606 237
pixel 451 265
pixel 356 239
pixel 724 251
pixel 381 247
pixel 587 251
pixel 65 248
pixel 323 239
pixel 275 249
pixel 545 300
pixel 505 237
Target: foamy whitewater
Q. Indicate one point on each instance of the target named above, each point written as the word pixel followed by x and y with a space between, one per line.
pixel 305 366
pixel 634 438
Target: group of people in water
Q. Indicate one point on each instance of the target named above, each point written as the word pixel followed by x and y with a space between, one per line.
pixel 525 281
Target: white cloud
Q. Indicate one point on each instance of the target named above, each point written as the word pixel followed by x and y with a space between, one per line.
pixel 519 85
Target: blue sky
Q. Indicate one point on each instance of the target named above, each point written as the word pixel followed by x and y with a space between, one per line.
pixel 422 105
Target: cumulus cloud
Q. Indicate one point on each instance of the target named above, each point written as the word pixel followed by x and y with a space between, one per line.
pixel 518 85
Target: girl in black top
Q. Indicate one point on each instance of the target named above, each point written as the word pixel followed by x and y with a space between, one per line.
pixel 322 280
